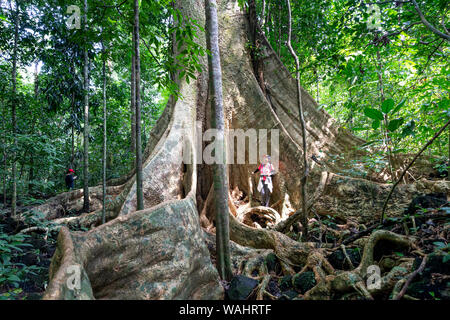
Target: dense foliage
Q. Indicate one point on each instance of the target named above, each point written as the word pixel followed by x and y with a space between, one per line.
pixel 49 99
pixel 376 68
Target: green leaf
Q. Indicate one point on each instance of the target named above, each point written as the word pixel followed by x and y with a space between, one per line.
pixel 14 278
pixel 376 124
pixel 446 258
pixel 395 124
pixel 387 105
pixel 4 18
pixel 373 114
pixel 439 244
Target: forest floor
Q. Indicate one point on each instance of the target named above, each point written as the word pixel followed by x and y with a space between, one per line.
pixel 343 243
pixel 30 257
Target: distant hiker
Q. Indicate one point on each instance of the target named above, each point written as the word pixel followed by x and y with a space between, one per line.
pixel 70 179
pixel 265 186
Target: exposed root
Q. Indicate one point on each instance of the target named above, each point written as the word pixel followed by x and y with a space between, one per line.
pixel 261 288
pixel 264 216
pixel 355 279
pixel 349 261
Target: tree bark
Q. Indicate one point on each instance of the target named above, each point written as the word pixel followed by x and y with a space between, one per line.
pixel 304 216
pixel 33 119
pixel 5 162
pixel 104 135
pixel 133 100
pixel 13 114
pixel 139 189
pixel 86 116
pixel 72 155
pixel 385 120
pixel 217 121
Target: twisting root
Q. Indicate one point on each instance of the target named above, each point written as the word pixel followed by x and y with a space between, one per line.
pixel 361 288
pixel 347 257
pixel 261 288
pixel 355 279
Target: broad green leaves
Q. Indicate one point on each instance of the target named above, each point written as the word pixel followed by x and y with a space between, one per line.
pixel 387 105
pixel 395 124
pixel 373 114
pixel 387 108
pixel 376 124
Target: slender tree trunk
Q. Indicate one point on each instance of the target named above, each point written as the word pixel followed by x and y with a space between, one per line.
pixel 385 120
pixel 317 86
pixel 72 156
pixel 86 118
pixel 279 30
pixel 350 98
pixel 5 163
pixel 139 190
pixel 304 217
pixel 268 19
pixel 217 121
pixel 104 135
pixel 263 14
pixel 31 174
pixel 13 112
pixel 143 116
pixel 36 92
pixel 133 100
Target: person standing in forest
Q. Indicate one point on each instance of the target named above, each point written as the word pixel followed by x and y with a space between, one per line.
pixel 70 178
pixel 265 186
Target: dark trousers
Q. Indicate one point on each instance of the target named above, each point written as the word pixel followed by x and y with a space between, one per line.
pixel 265 195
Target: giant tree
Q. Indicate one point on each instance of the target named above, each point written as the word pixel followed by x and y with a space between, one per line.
pixel 160 252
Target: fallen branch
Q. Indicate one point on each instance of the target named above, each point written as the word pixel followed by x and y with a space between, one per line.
pixel 427 24
pixel 31 229
pixel 410 278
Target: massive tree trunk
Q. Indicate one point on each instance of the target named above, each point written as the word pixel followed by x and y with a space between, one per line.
pixel 161 252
